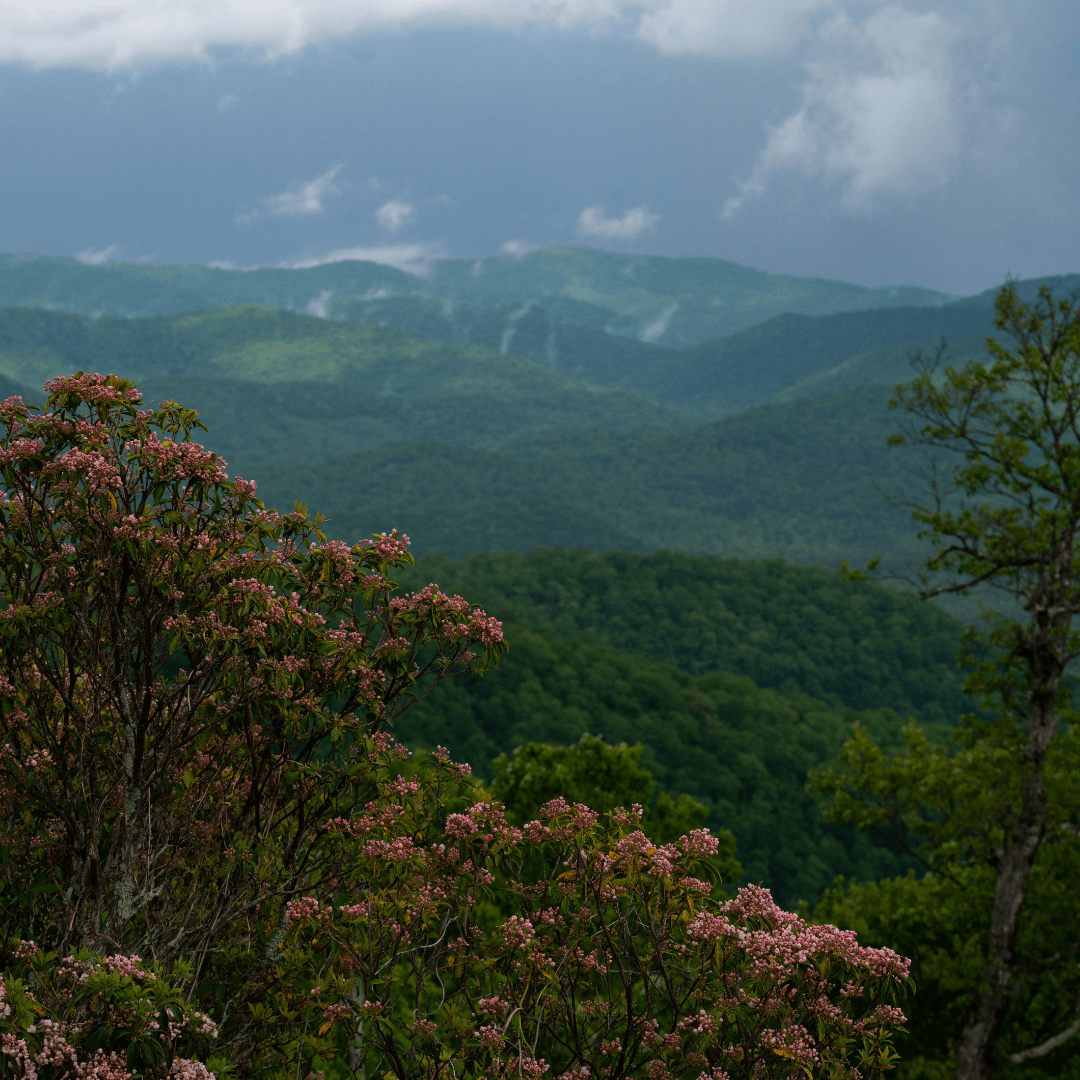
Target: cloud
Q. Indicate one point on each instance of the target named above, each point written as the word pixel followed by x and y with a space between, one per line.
pixel 97 258
pixel 392 215
pixel 727 29
pixel 885 111
pixel 414 259
pixel 229 101
pixel 593 222
pixel 308 199
pixel 517 248
pixel 115 35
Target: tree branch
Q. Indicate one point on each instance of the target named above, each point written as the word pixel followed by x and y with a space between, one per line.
pixel 1044 1048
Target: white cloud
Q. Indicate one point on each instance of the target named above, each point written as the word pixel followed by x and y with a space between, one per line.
pixel 885 110
pixel 308 198
pixel 97 258
pixel 412 258
pixel 594 222
pixel 392 215
pixel 727 29
pixel 517 248
pixel 114 35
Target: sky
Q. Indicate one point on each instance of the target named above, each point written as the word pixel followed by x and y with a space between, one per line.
pixel 883 143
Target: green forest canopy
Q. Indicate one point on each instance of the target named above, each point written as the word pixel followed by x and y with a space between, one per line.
pixel 793 629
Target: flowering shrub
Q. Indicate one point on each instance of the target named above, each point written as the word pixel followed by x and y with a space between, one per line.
pixel 97 1017
pixel 617 962
pixel 185 678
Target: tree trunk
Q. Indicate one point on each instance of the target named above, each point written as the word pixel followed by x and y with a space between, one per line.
pixel 987 1013
pixel 1013 866
pixel 356 1043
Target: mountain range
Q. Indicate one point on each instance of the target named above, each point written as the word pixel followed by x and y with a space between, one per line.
pixel 569 397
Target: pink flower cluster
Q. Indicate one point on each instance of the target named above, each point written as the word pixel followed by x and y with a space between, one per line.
pixel 461 826
pixel 700 842
pixel 574 819
pixel 340 557
pixel 661 858
pixel 186 1069
pixel 527 1067
pixel 101 1066
pixel 20 447
pixel 787 941
pixel 179 460
pixel 90 387
pixel 398 850
pixel 454 616
pixel 519 932
pixel 98 469
pixel 307 907
pixel 39 759
pixel 390 547
pixel 124 966
pixel 402 787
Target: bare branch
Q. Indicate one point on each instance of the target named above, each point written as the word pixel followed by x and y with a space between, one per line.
pixel 1045 1048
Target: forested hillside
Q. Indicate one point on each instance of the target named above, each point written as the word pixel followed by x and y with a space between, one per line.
pixel 823 654
pixel 469 449
pixel 742 751
pixel 298 388
pixel 794 629
pixel 749 367
pixel 800 481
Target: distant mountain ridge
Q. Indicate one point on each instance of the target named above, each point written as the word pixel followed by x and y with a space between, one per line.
pixel 675 302
pixel 275 385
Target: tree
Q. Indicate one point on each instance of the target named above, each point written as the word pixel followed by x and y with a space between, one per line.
pixel 1007 798
pixel 196 697
pixel 602 777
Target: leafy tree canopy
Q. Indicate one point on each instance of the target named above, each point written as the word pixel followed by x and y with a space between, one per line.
pixel 794 629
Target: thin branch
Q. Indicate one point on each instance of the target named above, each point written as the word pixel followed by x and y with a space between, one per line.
pixel 1045 1048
